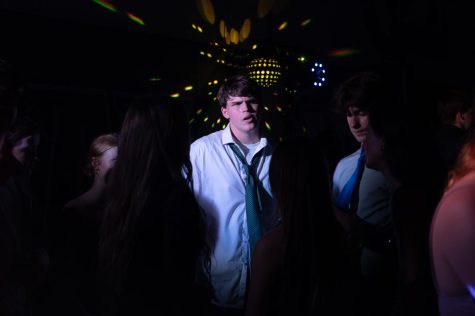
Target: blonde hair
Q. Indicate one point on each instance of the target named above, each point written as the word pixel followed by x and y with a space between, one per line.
pixel 100 145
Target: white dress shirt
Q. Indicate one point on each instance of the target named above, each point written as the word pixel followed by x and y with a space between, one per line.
pixel 219 186
pixel 374 190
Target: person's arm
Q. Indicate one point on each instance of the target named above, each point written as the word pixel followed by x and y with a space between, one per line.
pixel 460 247
pixel 264 272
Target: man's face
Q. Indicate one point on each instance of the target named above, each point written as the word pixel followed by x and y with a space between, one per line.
pixel 25 149
pixel 358 121
pixel 243 114
pixel 105 162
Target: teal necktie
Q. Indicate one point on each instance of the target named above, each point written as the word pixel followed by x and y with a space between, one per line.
pixel 253 205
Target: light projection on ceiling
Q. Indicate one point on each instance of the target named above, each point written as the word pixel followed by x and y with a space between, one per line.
pixel 234 48
pixel 115 9
pixel 344 52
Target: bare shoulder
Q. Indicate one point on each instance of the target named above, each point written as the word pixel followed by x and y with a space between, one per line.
pixel 456 213
pixel 459 201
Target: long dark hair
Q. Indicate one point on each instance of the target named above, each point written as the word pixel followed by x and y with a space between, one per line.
pixel 153 152
pixel 300 183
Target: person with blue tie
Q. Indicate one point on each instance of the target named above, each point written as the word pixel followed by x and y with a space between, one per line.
pixel 231 184
pixel 361 197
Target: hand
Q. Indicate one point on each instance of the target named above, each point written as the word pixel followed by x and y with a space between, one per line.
pixel 345 219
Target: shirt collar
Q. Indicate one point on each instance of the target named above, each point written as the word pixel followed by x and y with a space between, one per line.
pixel 227 138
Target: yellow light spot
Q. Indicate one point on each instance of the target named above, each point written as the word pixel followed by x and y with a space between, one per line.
pixel 188 88
pixel 218 121
pixel 207 10
pixel 254 46
pixel 282 26
pixel 209 55
pixel 205 119
pixel 191 121
pixel 245 30
pixel 279 109
pixel 199 29
pixel 199 111
pixel 224 126
pixel 210 93
pixel 222 29
pixel 234 36
pixel 268 126
pixel 306 22
pixel 266 108
pixel 202 53
pixel 175 95
pixel 215 81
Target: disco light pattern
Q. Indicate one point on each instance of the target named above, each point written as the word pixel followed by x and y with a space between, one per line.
pixel 135 18
pixel 106 5
pixel 115 9
pixel 282 26
pixel 265 71
pixel 342 52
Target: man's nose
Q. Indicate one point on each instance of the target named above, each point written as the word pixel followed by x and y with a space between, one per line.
pixel 355 121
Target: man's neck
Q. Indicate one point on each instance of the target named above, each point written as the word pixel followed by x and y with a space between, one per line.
pixel 246 138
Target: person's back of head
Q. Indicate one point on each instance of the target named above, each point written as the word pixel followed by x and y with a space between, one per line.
pixel 238 85
pixel 153 149
pixel 364 90
pixel 300 183
pixel 465 162
pixel 453 102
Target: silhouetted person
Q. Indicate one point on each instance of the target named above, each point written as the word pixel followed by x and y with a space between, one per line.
pixel 404 151
pixel 294 267
pixel 153 230
pixel 455 111
pixel 80 221
pixel 23 263
pixel 453 238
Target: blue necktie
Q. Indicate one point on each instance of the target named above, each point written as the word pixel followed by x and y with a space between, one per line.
pixel 347 200
pixel 253 206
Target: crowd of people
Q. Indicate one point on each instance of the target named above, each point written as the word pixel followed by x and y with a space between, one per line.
pixel 233 223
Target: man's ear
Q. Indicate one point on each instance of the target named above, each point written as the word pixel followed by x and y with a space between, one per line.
pixel 460 118
pixel 224 111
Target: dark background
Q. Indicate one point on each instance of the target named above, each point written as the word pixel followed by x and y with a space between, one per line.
pixel 82 64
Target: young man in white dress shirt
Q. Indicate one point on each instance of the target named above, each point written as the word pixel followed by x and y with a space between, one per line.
pixel 219 184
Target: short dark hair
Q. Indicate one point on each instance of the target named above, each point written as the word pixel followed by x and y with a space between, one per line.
pixel 364 90
pixel 451 102
pixel 238 85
